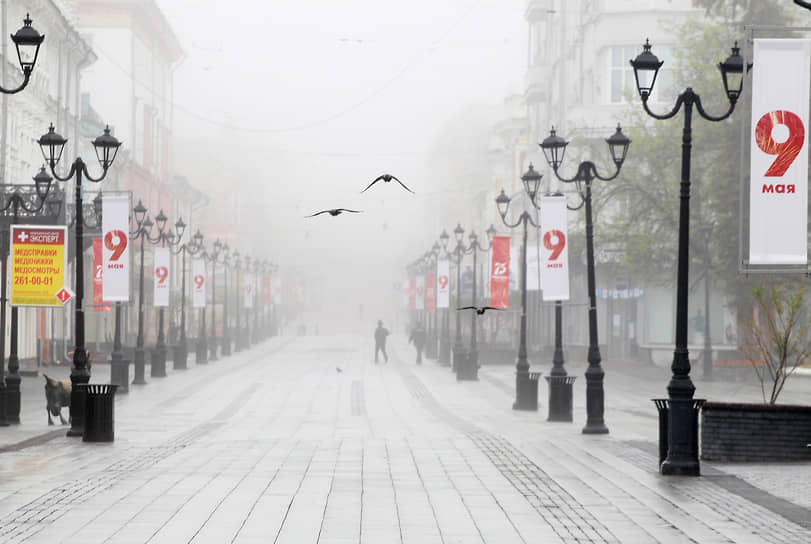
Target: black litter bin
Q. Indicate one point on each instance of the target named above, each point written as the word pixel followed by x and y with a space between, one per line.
pixel 560 397
pixel 526 387
pixel 99 412
pixel 663 406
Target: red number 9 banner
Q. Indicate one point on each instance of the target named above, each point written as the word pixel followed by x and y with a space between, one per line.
pixel 555 246
pixel 115 241
pixel 198 281
pixel 786 151
pixel 443 282
pixel 161 272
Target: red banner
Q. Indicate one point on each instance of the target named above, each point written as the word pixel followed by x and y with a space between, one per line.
pixel 430 292
pixel 98 301
pixel 412 293
pixel 266 290
pixel 500 272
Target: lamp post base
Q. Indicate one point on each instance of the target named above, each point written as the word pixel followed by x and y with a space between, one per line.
pixel 120 372
pixel 3 421
pixel 78 397
pixel 469 368
pixel 458 357
pixel 179 361
pixel 201 352
pixel 158 368
pixel 139 367
pixel 226 346
pixel 13 398
pixel 595 401
pixel 212 349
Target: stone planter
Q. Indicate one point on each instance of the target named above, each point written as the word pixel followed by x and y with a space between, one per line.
pixel 755 432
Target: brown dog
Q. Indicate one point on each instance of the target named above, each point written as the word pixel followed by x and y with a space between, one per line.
pixel 57 395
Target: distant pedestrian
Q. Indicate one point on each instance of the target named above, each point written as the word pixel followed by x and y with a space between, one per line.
pixel 418 339
pixel 381 333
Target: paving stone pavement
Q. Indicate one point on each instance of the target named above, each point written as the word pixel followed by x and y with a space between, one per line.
pixel 305 439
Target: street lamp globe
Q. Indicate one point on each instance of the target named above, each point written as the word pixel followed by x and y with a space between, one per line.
pixel 458 232
pixel 491 231
pixel 502 203
pixel 554 147
pixel 161 219
pixel 140 212
pixel 27 41
pixel 52 144
pixel 180 228
pixel 732 73
pixel 106 147
pixel 646 65
pixel 42 183
pixel 443 238
pixel 618 146
pixel 532 181
pixel 147 225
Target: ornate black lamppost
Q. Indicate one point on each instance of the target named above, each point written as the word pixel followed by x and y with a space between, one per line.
pixel 444 336
pixel 554 148
pixel 143 228
pixel 106 147
pixel 214 257
pixel 238 334
pixel 193 247
pixel 201 345
pixel 458 253
pixel 30 200
pixel 523 384
pixel 226 335
pixel 27 41
pixel 471 372
pixel 158 368
pixel 257 302
pixel 682 450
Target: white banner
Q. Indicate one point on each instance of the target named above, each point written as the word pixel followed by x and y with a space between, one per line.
pixel 533 266
pixel 198 283
pixel 778 190
pixel 443 284
pixel 276 290
pixel 160 277
pixel 115 251
pixel 420 292
pixel 554 248
pixel 249 289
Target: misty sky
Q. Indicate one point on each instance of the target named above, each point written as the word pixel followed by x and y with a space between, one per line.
pixel 323 96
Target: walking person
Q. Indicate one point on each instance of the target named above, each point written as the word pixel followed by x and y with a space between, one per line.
pixel 418 339
pixel 381 333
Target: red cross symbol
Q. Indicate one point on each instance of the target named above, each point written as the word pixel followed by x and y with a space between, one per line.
pixel 23 236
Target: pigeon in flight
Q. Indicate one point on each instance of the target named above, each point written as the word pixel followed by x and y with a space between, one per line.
pixel 387 178
pixel 334 212
pixel 339 369
pixel 481 310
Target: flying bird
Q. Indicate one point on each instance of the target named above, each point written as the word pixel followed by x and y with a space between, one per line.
pixel 333 212
pixel 481 310
pixel 339 369
pixel 387 178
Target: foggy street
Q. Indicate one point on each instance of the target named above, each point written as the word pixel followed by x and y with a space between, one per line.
pixel 305 439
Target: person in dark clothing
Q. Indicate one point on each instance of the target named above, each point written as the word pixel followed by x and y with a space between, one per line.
pixel 381 333
pixel 418 339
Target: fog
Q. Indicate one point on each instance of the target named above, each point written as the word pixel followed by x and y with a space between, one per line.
pixel 297 106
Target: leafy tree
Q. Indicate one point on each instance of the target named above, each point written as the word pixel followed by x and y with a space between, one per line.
pixel 775 338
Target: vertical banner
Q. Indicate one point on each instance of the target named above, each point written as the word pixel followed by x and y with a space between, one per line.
pixel 249 287
pixel 115 210
pixel 778 190
pixel 533 266
pixel 276 290
pixel 500 272
pixel 98 284
pixel 266 290
pixel 198 267
pixel 412 293
pixel 554 248
pixel 160 277
pixel 38 262
pixel 443 284
pixel 420 295
pixel 430 292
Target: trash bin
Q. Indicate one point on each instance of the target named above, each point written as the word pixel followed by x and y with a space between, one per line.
pixel 468 367
pixel 98 412
pixel 526 388
pixel 560 397
pixel 663 406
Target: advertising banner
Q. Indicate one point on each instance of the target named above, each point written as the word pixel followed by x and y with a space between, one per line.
pixel 412 293
pixel 198 284
pixel 160 277
pixel 443 284
pixel 778 190
pixel 38 262
pixel 420 295
pixel 554 248
pixel 430 292
pixel 500 272
pixel 98 284
pixel 115 251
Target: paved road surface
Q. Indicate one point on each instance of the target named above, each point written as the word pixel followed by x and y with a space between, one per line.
pixel 302 440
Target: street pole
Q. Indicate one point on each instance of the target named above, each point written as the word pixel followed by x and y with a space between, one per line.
pixel 682 450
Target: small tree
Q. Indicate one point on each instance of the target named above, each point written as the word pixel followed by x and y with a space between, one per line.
pixel 776 336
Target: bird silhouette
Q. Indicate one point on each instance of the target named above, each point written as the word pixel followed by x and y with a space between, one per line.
pixel 387 178
pixel 479 311
pixel 335 211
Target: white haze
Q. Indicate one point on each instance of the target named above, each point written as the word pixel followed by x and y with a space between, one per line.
pixel 321 97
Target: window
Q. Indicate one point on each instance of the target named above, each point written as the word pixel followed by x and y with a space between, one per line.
pixel 622 74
